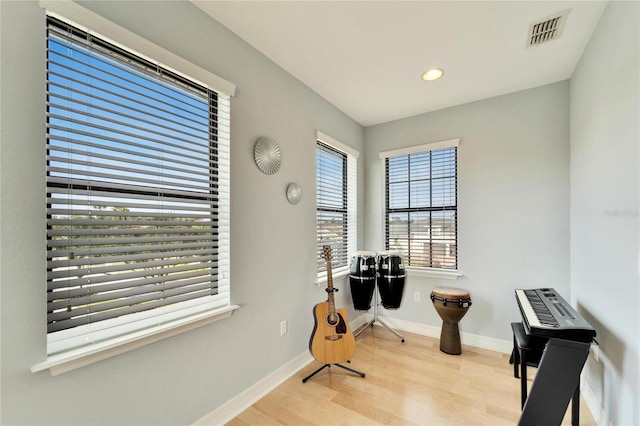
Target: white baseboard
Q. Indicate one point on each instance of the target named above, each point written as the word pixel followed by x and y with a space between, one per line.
pixel 245 399
pixel 597 411
pixel 360 321
pixel 475 340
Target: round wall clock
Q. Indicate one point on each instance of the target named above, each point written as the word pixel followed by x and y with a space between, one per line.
pixel 267 156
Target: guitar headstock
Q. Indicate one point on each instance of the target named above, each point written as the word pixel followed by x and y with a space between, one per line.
pixel 326 253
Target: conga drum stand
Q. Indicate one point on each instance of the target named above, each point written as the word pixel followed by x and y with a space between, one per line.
pixel 376 319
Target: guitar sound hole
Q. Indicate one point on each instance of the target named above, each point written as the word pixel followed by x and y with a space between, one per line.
pixel 332 319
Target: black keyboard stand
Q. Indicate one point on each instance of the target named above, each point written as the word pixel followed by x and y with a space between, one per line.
pixel 557 381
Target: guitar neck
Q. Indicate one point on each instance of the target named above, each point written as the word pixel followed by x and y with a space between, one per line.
pixel 326 253
pixel 330 290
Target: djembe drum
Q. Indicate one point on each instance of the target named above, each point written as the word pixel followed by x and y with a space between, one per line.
pixel 451 304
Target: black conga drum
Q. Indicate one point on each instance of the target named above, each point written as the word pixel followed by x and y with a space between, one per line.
pixel 362 279
pixel 390 279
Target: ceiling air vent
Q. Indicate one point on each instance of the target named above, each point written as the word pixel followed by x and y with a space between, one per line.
pixel 547 29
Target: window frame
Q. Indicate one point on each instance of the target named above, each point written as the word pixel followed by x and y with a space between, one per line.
pixel 171 324
pixel 424 271
pixel 351 200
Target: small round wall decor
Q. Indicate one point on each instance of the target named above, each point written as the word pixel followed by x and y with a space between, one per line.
pixel 294 193
pixel 267 156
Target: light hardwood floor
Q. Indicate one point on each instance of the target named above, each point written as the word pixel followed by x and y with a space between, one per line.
pixel 411 383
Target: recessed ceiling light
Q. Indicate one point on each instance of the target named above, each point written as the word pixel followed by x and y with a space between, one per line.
pixel 432 74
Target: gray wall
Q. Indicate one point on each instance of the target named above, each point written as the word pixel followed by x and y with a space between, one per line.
pixel 181 379
pixel 604 206
pixel 513 201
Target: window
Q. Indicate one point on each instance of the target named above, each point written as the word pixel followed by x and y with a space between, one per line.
pixel 336 186
pixel 421 204
pixel 137 193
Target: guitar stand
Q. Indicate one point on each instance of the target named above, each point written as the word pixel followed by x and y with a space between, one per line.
pixel 376 319
pixel 329 365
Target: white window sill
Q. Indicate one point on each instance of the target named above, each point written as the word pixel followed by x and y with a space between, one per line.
pixel 337 275
pixel 446 274
pixel 69 361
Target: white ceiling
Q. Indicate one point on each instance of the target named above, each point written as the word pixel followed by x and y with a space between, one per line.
pixel 367 57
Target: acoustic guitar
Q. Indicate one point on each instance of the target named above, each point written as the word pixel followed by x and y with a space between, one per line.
pixel 331 341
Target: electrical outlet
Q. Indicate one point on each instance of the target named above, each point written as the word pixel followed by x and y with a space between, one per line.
pixel 416 296
pixel 283 327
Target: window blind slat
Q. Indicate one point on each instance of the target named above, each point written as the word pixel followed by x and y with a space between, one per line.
pixel 149 163
pixel 59 133
pixel 102 300
pixel 81 298
pixel 65 73
pixel 109 304
pixel 72 292
pixel 76 192
pixel 113 268
pixel 63 214
pixel 117 313
pixel 149 255
pixel 147 233
pixel 160 183
pixel 196 204
pixel 78 42
pixel 155 121
pixel 117 280
pixel 130 222
pixel 122 241
pixel 118 82
pixel 158 149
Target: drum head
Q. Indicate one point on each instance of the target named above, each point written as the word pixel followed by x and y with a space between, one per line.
pixel 363 263
pixel 450 293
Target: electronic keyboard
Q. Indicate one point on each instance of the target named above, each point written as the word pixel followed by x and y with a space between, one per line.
pixel 547 314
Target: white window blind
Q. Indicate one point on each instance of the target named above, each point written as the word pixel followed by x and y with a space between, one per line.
pixel 137 192
pixel 421 205
pixel 336 186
